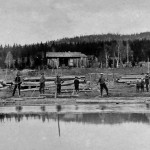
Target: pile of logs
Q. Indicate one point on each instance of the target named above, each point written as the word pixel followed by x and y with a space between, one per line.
pixel 32 83
pixel 130 79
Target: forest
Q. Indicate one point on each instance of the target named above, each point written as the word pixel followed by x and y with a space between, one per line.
pixel 105 49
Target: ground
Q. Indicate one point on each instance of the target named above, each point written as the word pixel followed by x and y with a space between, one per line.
pixel 115 89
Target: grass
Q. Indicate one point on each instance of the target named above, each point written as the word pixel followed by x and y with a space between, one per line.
pixel 115 90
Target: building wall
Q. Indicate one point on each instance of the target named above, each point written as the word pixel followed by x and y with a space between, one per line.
pixel 72 62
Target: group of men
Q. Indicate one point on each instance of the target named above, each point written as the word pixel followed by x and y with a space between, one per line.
pixel 141 83
pixel 58 81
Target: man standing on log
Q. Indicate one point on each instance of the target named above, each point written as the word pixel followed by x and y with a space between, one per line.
pixel 42 84
pixel 58 82
pixel 17 84
pixel 76 84
pixel 102 84
pixel 147 82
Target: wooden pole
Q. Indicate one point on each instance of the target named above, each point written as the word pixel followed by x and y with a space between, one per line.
pixel 90 79
pixel 127 52
pixel 148 65
pixel 113 67
pixel 56 91
pixel 6 74
pixel 58 125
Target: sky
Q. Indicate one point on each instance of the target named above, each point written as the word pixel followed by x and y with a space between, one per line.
pixel 32 21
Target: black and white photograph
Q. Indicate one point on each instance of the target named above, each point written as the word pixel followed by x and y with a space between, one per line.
pixel 75 74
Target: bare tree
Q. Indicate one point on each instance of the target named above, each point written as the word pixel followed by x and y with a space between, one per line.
pixel 9 61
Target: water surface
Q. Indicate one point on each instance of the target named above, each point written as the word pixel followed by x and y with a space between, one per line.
pixel 76 130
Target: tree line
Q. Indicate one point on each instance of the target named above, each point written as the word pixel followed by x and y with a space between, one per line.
pixel 106 49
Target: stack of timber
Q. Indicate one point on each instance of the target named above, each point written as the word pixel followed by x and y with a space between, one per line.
pixel 130 79
pixel 4 85
pixel 50 83
pixel 64 78
pixel 32 84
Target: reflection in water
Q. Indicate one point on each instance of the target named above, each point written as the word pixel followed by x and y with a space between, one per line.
pixel 43 108
pixel 78 131
pixel 58 107
pixel 93 118
pixel 19 108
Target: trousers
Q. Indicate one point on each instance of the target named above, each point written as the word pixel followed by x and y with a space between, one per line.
pixel 42 88
pixel 58 88
pixel 16 86
pixel 103 86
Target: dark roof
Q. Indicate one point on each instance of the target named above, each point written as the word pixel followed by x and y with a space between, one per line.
pixel 65 54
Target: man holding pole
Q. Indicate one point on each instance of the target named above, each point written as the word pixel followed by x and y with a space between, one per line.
pixel 147 82
pixel 76 84
pixel 42 84
pixel 58 82
pixel 102 84
pixel 17 84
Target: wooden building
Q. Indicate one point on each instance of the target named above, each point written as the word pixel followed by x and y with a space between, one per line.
pixel 66 59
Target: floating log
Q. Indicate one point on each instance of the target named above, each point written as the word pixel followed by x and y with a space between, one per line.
pixel 40 97
pixel 47 95
pixel 71 91
pixel 60 96
pixel 67 96
pixel 110 101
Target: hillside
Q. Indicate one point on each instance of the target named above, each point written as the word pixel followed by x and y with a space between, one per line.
pixel 104 47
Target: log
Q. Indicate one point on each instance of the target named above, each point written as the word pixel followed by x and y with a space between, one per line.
pixel 70 91
pixel 62 90
pixel 67 96
pixel 127 81
pixel 47 95
pixel 28 90
pixel 132 76
pixel 17 99
pixel 111 101
pixel 37 84
pixel 65 78
pixel 60 96
pixel 41 97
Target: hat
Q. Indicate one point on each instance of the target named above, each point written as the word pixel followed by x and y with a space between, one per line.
pixel 18 73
